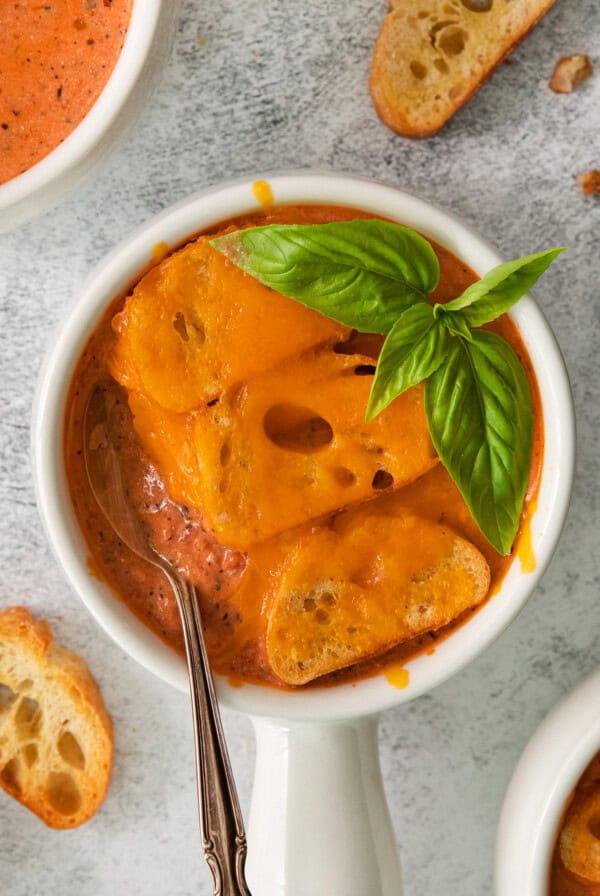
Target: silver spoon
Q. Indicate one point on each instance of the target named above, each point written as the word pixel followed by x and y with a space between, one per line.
pixel 221 823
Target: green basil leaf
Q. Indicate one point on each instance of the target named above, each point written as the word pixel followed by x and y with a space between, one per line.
pixel 414 348
pixel 480 416
pixel 498 291
pixel 360 273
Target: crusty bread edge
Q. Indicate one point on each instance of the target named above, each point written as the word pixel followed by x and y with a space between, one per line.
pixel 384 109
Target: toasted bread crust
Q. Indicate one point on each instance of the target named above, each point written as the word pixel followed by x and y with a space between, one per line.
pixel 416 102
pixel 56 742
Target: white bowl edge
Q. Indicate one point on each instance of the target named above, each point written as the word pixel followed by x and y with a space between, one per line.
pixel 548 770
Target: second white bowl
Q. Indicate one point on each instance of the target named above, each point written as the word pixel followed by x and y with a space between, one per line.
pixel 550 767
pixel 149 37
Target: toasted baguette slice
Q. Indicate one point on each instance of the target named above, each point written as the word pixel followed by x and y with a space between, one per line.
pixel 373 580
pixel 432 55
pixel 196 324
pixel 289 446
pixel 55 733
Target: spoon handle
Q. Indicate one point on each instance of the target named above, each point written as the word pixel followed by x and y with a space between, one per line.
pixel 222 826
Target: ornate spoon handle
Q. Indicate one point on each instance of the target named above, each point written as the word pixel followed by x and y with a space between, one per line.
pixel 222 826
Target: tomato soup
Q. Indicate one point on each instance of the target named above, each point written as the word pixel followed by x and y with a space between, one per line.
pixel 55 59
pixel 576 860
pixel 152 434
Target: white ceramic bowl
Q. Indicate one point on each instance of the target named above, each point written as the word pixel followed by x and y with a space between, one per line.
pixel 550 767
pixel 147 44
pixel 351 749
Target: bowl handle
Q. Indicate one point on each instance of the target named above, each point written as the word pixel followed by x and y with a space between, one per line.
pixel 319 821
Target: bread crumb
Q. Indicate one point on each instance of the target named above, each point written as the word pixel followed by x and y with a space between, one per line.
pixel 569 72
pixel 589 182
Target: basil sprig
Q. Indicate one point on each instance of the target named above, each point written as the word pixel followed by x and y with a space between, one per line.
pixel 377 277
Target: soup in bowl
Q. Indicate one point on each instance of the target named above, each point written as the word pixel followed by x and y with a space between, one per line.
pixel 548 838
pixel 74 76
pixel 298 418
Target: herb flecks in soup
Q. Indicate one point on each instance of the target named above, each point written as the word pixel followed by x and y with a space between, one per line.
pixel 55 59
pixel 576 860
pixel 322 546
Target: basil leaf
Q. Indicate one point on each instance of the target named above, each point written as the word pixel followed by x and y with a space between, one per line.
pixel 498 291
pixel 414 348
pixel 360 273
pixel 480 417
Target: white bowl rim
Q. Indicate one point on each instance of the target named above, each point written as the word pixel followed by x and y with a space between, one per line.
pixel 547 772
pixel 143 22
pixel 201 211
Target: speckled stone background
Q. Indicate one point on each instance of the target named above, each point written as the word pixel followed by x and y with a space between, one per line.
pixel 253 86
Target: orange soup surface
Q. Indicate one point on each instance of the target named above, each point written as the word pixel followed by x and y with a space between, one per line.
pixel 166 408
pixel 55 59
pixel 576 860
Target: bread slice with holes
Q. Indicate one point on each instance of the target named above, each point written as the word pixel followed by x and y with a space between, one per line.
pixel 196 324
pixel 56 741
pixel 374 578
pixel 293 445
pixel 431 56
